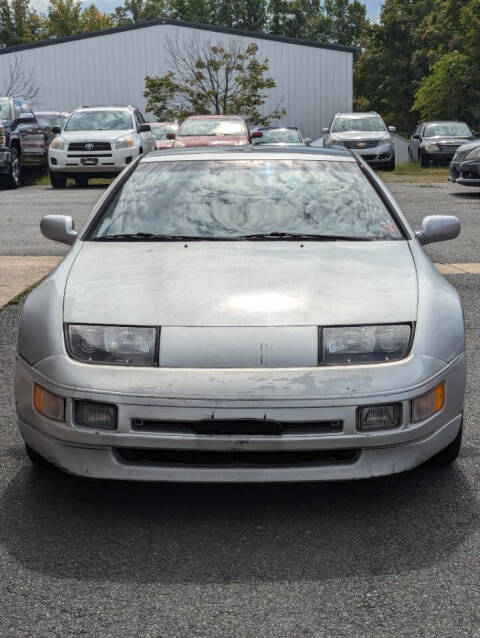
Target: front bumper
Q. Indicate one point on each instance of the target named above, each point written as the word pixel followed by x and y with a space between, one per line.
pixel 343 453
pixel 465 173
pixel 95 162
pixel 378 155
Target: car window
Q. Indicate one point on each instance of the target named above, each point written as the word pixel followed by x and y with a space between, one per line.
pixel 369 123
pixel 290 136
pixel 213 127
pixel 138 118
pixel 18 108
pixel 228 199
pixel 27 109
pixel 48 121
pixel 99 121
pixel 455 129
pixel 160 132
pixel 5 110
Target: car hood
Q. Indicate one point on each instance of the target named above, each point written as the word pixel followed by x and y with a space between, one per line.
pixel 93 136
pixel 210 140
pixel 469 146
pixel 446 139
pixel 361 135
pixel 254 283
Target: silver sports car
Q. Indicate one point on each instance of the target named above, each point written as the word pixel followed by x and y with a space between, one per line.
pixel 243 314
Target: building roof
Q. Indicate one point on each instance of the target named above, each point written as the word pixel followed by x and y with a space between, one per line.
pixel 178 23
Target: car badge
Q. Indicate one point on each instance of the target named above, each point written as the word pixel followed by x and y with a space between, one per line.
pixel 361 144
pixel 89 147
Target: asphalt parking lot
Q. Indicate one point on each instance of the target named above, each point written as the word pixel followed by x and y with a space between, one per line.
pixel 395 557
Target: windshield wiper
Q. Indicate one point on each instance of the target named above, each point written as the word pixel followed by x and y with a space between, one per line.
pixel 152 237
pixel 301 236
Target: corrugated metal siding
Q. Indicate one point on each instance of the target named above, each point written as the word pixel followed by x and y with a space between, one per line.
pixel 401 149
pixel 312 83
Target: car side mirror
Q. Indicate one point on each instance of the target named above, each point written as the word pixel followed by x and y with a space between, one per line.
pixel 392 129
pixel 308 140
pixel 58 228
pixel 144 128
pixel 56 129
pixel 256 134
pixel 438 228
pixel 25 118
pixel 171 136
pixel 324 130
pixel 416 137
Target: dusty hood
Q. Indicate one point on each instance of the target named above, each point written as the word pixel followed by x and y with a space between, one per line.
pixel 210 140
pixel 242 284
pixel 447 140
pixel 362 135
pixel 93 136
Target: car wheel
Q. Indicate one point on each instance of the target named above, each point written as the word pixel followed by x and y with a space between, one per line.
pixel 449 454
pixel 391 165
pixel 35 457
pixel 81 181
pixel 424 161
pixel 58 180
pixel 14 177
pixel 410 154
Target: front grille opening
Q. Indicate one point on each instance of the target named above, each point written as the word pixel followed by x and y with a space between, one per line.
pixel 213 459
pixel 251 427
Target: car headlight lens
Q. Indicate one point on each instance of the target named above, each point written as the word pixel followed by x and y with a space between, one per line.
pixel 126 142
pixel 432 148
pixel 475 154
pixel 113 345
pixel 58 144
pixel 351 345
pixel 429 403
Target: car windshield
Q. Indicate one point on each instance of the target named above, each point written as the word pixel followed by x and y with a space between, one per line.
pixel 213 127
pixel 99 121
pixel 285 135
pixel 246 199
pixel 160 132
pixel 4 110
pixel 454 129
pixel 47 121
pixel 345 124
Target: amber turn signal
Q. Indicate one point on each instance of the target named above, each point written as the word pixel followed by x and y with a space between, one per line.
pixel 48 404
pixel 429 403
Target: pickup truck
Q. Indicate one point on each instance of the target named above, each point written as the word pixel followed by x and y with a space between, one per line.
pixel 22 141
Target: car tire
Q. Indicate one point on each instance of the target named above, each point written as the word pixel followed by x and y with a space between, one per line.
pixel 58 180
pixel 81 181
pixel 410 154
pixel 449 454
pixel 423 159
pixel 391 165
pixel 14 177
pixel 35 457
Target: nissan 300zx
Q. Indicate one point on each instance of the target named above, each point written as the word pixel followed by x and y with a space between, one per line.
pixel 243 315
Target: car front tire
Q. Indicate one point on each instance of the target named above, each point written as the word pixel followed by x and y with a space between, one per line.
pixel 14 177
pixel 81 181
pixel 449 454
pixel 391 165
pixel 58 180
pixel 424 161
pixel 35 457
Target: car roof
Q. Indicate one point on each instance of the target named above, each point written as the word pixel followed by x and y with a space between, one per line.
pixel 104 108
pixel 358 115
pixel 277 128
pixel 444 122
pixel 258 152
pixel 213 117
pixel 162 123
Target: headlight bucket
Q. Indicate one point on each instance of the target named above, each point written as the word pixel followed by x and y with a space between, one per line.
pixel 128 142
pixel 113 345
pixel 475 154
pixel 355 345
pixel 57 144
pixel 432 148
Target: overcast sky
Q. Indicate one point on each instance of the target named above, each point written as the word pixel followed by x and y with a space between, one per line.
pixel 373 6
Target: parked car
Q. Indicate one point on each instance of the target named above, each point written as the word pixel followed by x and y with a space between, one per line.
pixel 212 130
pixel 48 119
pixel 465 166
pixel 240 330
pixel 160 131
pixel 437 141
pixel 281 136
pixel 97 141
pixel 22 141
pixel 364 133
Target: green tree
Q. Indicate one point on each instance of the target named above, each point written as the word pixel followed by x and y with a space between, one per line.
pixel 63 18
pixel 18 23
pixel 208 78
pixel 133 11
pixel 92 19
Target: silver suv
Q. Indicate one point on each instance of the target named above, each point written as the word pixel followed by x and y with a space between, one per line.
pixel 364 133
pixel 98 141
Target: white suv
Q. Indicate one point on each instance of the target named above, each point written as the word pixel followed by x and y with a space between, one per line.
pixel 98 141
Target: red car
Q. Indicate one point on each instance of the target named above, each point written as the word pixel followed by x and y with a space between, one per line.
pixel 160 132
pixel 212 130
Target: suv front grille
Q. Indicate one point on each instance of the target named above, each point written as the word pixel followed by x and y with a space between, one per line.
pixel 92 146
pixel 361 143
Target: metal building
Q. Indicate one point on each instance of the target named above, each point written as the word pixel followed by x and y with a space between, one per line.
pixel 314 81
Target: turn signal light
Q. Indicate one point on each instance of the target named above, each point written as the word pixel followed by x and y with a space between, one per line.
pixel 429 403
pixel 48 404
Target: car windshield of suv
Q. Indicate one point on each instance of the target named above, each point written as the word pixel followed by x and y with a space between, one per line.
pixel 453 129
pixel 213 127
pixel 346 124
pixel 246 199
pixel 160 132
pixel 281 135
pixel 99 121
pixel 4 110
pixel 47 121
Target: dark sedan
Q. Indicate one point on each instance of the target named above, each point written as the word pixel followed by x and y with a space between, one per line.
pixel 48 119
pixel 465 166
pixel 281 136
pixel 437 141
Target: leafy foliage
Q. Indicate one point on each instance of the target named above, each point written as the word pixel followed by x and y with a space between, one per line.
pixel 209 78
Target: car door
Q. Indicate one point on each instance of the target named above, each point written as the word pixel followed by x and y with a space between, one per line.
pixel 148 140
pixel 31 135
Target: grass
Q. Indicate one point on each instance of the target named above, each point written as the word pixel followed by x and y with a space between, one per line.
pixel 44 180
pixel 413 173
